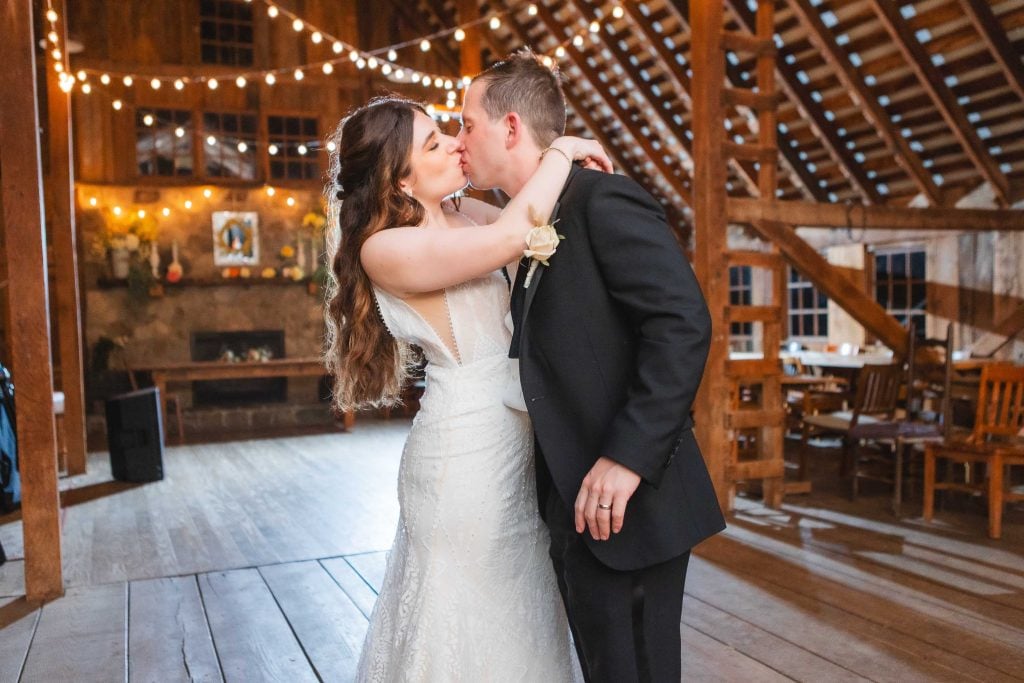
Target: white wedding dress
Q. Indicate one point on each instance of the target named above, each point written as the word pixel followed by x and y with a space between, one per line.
pixel 469 593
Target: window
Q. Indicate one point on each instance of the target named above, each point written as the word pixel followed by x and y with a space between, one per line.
pixel 741 335
pixel 225 32
pixel 229 146
pixel 292 144
pixel 808 309
pixel 900 285
pixel 163 142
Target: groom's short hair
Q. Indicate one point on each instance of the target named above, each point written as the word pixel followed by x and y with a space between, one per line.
pixel 521 83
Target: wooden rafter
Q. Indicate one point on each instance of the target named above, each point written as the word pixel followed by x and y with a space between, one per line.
pixel 853 81
pixel 823 128
pixel 1007 57
pixel 680 9
pixel 680 82
pixel 856 216
pixel 675 177
pixel 920 63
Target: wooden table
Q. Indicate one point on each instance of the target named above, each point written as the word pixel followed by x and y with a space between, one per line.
pixel 212 370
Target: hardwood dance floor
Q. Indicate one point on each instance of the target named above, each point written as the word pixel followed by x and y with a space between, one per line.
pixel 260 561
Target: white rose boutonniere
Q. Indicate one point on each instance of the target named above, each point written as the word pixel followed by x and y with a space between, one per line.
pixel 541 244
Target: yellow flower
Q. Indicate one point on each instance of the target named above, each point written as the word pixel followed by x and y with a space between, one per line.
pixel 314 220
pixel 287 251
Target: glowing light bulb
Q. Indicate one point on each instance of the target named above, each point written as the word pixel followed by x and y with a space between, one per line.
pixel 165 211
pixel 372 62
pixel 271 191
pixel 532 10
pixel 290 201
pixel 297 25
pixel 559 52
pixel 179 84
pixel 448 85
pixel 81 75
pixel 92 201
pixel 240 81
pixel 117 210
pixel 577 40
pixel 188 203
pixel 425 45
pixel 299 75
pixel 56 54
pixel 86 88
pixel 272 150
pixel 337 47
pixel 210 140
pixel 270 79
pixel 117 104
pixel 547 61
pixel 331 146
pixel 392 55
pixel 438 82
pixel 142 213
pixel 494 23
pixel 51 16
pixel 212 84
pixel 328 68
pixel 127 80
pixel 360 63
pixel 316 37
pixel 272 12
pixel 595 27
pixel 207 192
pixel 52 37
pixel 617 12
pixel 399 74
pixel 242 147
pixel 353 55
pixel 179 132
pixel 302 149
pixel 459 35
pixel 148 119
pixel 105 79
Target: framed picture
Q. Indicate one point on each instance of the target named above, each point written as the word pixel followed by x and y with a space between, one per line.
pixel 236 238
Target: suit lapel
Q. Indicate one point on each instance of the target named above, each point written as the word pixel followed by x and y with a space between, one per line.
pixel 531 291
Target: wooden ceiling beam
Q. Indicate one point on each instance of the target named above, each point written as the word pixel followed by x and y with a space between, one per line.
pixel 675 177
pixel 920 63
pixel 824 130
pixel 811 215
pixel 851 79
pixel 744 171
pixel 680 10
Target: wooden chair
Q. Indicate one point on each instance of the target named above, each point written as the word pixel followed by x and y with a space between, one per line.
pixel 878 388
pixel 928 382
pixel 995 442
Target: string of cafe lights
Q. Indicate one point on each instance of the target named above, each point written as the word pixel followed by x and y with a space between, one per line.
pixel 384 59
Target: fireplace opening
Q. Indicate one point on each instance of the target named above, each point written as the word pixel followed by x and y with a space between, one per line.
pixel 224 346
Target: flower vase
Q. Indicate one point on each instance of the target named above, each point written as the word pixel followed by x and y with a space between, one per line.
pixel 120 263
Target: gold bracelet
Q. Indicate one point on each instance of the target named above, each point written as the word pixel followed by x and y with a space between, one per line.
pixel 562 152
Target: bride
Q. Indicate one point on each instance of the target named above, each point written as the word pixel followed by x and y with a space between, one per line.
pixel 469 593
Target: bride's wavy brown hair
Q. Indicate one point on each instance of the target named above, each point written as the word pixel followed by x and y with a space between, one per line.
pixel 372 153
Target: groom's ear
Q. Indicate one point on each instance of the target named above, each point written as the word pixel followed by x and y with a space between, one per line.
pixel 513 129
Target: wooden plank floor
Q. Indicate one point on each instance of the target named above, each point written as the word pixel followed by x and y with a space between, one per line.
pixel 260 561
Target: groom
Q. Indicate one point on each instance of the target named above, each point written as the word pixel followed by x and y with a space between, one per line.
pixel 611 340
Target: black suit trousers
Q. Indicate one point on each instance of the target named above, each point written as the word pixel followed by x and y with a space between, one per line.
pixel 625 623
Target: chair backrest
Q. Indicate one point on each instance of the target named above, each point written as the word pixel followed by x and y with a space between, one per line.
pixel 878 389
pixel 1000 402
pixel 922 367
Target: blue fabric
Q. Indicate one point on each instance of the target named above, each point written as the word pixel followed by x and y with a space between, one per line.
pixel 9 454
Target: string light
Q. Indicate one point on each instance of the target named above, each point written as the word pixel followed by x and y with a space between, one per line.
pixel 316 37
pixel 179 84
pixel 299 75
pixel 165 211
pixel 272 12
pixel 188 203
pixel 425 45
pixel 116 104
pixel 272 150
pixel 328 68
pixel 86 88
pixel 240 81
pixel 617 11
pixel 207 192
pixel 212 84
pixel 297 25
pixel 270 79
pixel 155 84
pixel 494 23
pixel 459 35
pixel 532 10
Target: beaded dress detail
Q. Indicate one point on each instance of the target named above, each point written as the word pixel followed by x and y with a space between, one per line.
pixel 469 593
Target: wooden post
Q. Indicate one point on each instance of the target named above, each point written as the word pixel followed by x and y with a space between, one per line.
pixel 710 219
pixel 61 206
pixel 469 50
pixel 21 184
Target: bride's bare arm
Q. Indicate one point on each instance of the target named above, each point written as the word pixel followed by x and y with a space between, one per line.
pixel 413 260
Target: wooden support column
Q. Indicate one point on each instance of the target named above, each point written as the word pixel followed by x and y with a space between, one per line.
pixel 711 227
pixel 21 185
pixel 469 49
pixel 61 206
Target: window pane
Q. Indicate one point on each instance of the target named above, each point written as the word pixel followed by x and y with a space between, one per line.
pixel 899 265
pixel 917 265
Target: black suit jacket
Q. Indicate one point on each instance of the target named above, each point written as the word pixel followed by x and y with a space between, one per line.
pixel 612 338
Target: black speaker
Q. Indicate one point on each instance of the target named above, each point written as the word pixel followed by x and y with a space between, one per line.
pixel 135 436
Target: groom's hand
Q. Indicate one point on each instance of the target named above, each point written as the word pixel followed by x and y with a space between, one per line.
pixel 607 484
